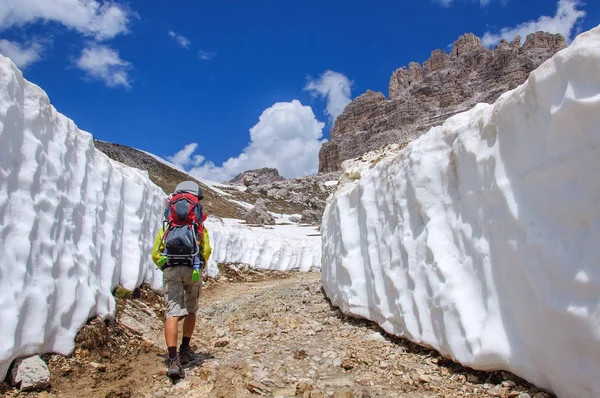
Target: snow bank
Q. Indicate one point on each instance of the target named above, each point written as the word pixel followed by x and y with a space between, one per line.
pixel 285 230
pixel 73 224
pixel 481 238
pixel 283 248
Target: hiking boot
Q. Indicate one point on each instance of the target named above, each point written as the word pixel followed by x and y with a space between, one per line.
pixel 175 370
pixel 186 355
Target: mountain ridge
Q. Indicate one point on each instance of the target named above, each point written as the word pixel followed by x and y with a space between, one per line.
pixel 423 96
pixel 304 196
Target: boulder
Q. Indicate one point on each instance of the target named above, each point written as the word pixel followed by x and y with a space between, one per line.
pixel 259 214
pixel 30 374
pixel 310 216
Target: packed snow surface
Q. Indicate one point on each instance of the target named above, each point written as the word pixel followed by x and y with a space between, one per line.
pixel 481 238
pixel 245 205
pixel 217 185
pixel 74 224
pixel 282 218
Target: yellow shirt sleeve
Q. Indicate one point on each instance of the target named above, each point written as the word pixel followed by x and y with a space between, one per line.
pixel 206 249
pixel 159 246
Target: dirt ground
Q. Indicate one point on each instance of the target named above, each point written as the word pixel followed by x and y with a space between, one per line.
pixel 263 335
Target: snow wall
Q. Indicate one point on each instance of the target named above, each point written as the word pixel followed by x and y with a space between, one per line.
pixel 73 224
pixel 266 250
pixel 481 239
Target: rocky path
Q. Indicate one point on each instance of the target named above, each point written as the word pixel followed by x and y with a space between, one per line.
pixel 282 338
pixel 276 337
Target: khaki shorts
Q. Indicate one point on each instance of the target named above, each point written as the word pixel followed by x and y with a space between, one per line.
pixel 181 294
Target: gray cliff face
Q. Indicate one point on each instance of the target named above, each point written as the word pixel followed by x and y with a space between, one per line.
pixel 423 96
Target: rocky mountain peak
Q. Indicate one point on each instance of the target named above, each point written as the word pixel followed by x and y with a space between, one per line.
pixel 262 176
pixel 465 44
pixel 543 40
pixel 425 95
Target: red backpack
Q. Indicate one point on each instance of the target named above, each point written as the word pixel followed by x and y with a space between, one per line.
pixel 184 219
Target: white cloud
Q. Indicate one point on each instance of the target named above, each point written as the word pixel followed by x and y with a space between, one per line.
pixel 334 86
pixel 185 157
pixel 180 39
pixel 564 22
pixel 287 136
pixel 97 18
pixel 21 55
pixel 102 63
pixel 205 55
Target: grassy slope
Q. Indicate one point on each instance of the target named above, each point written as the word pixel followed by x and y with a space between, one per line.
pixel 167 178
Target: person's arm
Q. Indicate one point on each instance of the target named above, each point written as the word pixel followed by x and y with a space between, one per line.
pixel 157 251
pixel 206 249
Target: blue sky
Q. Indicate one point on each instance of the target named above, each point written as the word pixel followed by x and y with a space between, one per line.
pixel 211 82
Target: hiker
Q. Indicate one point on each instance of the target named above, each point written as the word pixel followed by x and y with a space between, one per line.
pixel 181 249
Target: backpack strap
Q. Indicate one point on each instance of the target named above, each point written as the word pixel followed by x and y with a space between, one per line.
pixel 166 227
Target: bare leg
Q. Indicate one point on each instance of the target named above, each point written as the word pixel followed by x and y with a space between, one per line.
pixel 189 323
pixel 171 331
